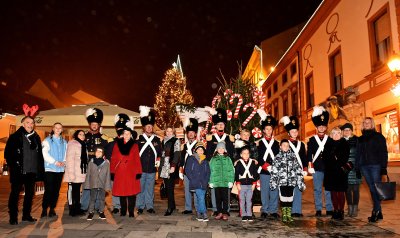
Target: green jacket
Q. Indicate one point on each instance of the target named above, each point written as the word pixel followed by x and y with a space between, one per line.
pixel 222 171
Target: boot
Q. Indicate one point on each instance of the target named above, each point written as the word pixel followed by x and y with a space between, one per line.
pixel 71 210
pixel 341 215
pixel 379 215
pixel 350 210
pixel 289 214
pixel 373 217
pixel 355 211
pixel 284 216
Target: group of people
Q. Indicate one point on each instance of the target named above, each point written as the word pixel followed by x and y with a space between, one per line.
pixel 92 164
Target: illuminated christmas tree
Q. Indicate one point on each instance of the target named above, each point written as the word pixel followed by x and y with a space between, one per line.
pixel 171 92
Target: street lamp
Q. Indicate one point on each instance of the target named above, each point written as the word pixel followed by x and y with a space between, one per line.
pixel 394 66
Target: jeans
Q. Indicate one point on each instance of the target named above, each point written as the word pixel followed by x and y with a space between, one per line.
pixel 146 197
pixel 372 174
pixel 85 198
pixel 201 202
pixel 269 198
pixel 297 201
pixel 245 195
pixel 213 201
pixel 97 195
pixel 52 184
pixel 188 195
pixel 115 200
pixel 318 180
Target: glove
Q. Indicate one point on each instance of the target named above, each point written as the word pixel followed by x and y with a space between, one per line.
pixel 138 176
pixel 383 171
pixel 211 185
pixel 112 177
pixel 230 184
pixel 358 174
pixel 157 164
pixel 345 169
pixel 181 175
pixel 304 173
pixel 311 170
pixel 172 170
pixel 269 168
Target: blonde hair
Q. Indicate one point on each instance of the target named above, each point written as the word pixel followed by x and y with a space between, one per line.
pixel 372 123
pixel 334 130
pixel 244 131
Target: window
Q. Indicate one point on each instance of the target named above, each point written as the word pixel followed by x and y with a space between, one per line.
pixel 336 71
pixel 293 69
pixel 275 87
pixel 285 109
pixel 269 93
pixel 276 110
pixel 294 102
pixel 309 91
pixel 284 78
pixel 380 37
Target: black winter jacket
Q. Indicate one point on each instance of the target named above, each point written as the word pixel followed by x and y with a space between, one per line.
pixel 371 149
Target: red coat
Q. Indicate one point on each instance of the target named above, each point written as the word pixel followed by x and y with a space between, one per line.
pixel 126 169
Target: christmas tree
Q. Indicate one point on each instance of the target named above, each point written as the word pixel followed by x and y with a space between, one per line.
pixel 171 92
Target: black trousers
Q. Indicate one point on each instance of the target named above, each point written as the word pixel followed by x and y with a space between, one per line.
pixel 28 181
pixel 221 197
pixel 131 204
pixel 74 198
pixel 52 184
pixel 170 187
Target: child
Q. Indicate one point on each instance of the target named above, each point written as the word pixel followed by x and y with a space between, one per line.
pixel 246 177
pixel 245 137
pixel 197 170
pixel 286 175
pixel 222 177
pixel 98 180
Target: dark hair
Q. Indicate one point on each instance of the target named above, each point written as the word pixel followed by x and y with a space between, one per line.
pixel 25 117
pixel 216 153
pixel 284 141
pixel 76 133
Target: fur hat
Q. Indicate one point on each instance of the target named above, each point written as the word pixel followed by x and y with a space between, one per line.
pixel 220 116
pixel 347 125
pixel 123 122
pixel 94 115
pixel 147 116
pixel 269 121
pixel 240 145
pixel 320 117
pixel 191 124
pixel 290 123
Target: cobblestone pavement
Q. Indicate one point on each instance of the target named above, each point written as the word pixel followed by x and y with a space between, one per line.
pixel 178 225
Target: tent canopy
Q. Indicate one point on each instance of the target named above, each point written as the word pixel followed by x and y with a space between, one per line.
pixel 75 116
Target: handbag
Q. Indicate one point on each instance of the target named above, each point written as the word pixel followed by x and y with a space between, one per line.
pixel 163 191
pixel 386 190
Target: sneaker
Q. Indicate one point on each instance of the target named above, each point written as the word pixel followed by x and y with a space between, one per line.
pixel 219 216
pixel 115 211
pixel 205 217
pixel 102 216
pixel 44 214
pixel 139 211
pixel 244 218
pixel 297 215
pixel 199 217
pixel 329 213
pixel 186 212
pixel 250 218
pixel 275 215
pixel 151 210
pixel 90 216
pixel 318 214
pixel 225 217
pixel 264 215
pixel 29 218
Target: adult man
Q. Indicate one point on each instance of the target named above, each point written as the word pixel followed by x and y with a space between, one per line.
pixel 23 153
pixel 291 125
pixel 93 138
pixel 219 118
pixel 150 153
pixel 186 151
pixel 120 121
pixel 268 148
pixel 319 146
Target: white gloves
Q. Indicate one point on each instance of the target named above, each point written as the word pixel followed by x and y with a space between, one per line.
pixel 269 168
pixel 211 185
pixel 157 164
pixel 304 173
pixel 181 175
pixel 230 184
pixel 311 170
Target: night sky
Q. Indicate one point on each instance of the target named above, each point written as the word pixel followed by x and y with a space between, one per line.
pixel 119 50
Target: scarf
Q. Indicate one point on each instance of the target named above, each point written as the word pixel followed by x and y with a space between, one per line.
pixel 31 138
pixel 84 156
pixel 98 161
pixel 123 147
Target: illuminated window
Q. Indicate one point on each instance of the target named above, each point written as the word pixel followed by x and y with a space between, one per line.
pixel 336 71
pixel 380 37
pixel 309 91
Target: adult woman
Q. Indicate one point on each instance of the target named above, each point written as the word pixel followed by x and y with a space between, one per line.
pixel 127 170
pixel 336 169
pixel 53 149
pixel 169 162
pixel 75 170
pixel 353 188
pixel 371 159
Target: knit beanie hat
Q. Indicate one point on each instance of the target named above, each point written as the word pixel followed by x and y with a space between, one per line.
pixel 221 145
pixel 199 144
